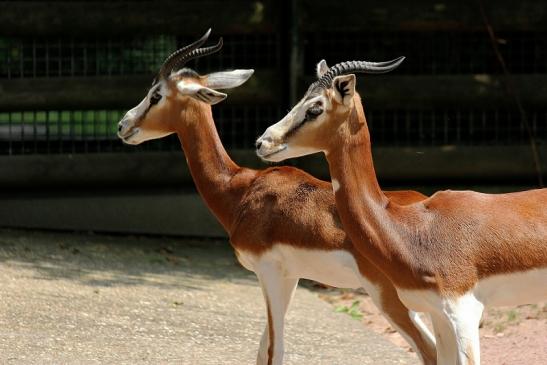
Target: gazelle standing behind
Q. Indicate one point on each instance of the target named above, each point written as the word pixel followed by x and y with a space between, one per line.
pixel 281 221
pixel 449 255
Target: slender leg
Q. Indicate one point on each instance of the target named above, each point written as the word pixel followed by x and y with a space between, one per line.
pixel 456 325
pixel 464 315
pixel 278 292
pixel 406 322
pixel 445 339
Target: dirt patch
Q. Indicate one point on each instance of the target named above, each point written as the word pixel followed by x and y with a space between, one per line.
pixel 509 335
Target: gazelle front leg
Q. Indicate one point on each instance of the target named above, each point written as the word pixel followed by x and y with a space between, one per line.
pixel 457 330
pixel 464 314
pixel 278 292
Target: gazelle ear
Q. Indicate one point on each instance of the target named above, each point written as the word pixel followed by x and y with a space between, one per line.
pixel 200 92
pixel 228 79
pixel 321 68
pixel 344 88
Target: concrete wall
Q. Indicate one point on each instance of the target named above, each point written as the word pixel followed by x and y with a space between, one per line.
pixel 153 193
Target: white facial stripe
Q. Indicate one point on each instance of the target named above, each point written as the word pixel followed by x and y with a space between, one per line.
pixel 298 114
pixel 275 146
pixel 138 111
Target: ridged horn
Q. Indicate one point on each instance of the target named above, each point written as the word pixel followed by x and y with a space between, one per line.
pixel 174 58
pixel 348 67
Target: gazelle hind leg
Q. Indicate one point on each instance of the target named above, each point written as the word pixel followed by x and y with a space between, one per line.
pixel 278 292
pixel 405 321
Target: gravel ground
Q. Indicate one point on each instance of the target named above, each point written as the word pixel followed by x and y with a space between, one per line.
pixel 509 335
pixel 93 299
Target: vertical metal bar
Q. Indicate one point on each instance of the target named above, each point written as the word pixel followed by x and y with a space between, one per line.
pixel 295 58
pixel 407 127
pixel 94 123
pixel 34 132
pixel 421 127
pixel 72 56
pixel 21 62
pixel 60 131
pixel 445 117
pixel 22 126
pixel 84 57
pixel 33 57
pixel 458 126
pixel 46 44
pixel 97 70
pixel 8 53
pixel 108 56
pixel 60 58
pixel 471 128
pixel 47 132
pixel 433 126
pixel 10 134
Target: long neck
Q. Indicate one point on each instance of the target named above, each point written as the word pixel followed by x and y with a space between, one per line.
pixel 211 167
pixel 366 213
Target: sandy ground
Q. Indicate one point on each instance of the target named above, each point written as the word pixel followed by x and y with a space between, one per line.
pixel 95 299
pixel 509 335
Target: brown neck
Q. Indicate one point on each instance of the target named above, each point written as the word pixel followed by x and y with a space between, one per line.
pixel 211 167
pixel 366 213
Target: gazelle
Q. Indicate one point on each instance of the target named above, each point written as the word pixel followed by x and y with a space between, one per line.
pixel 282 222
pixel 449 255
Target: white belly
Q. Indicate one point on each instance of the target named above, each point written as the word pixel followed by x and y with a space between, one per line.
pixel 527 287
pixel 336 268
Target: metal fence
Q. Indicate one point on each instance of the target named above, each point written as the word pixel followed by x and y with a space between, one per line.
pixel 432 52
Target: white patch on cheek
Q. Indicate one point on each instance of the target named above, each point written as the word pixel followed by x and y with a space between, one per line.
pixel 335 185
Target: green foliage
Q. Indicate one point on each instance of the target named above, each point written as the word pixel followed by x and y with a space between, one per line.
pixel 352 310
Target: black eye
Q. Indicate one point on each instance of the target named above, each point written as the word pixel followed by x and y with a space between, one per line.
pixel 313 112
pixel 155 98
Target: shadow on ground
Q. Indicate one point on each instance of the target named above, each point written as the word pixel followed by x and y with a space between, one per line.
pixel 107 260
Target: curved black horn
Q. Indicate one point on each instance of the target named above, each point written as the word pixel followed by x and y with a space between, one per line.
pixel 348 67
pixel 197 53
pixel 173 59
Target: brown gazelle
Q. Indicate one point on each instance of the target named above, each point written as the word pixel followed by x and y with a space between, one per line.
pixel 281 221
pixel 449 255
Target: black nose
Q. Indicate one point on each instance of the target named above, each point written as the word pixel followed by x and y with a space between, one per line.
pixel 258 144
pixel 120 126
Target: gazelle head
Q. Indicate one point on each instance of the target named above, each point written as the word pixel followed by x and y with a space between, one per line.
pixel 307 128
pixel 172 88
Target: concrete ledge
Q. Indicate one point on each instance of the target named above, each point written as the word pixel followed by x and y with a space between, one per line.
pixel 153 169
pixel 165 212
pixel 153 193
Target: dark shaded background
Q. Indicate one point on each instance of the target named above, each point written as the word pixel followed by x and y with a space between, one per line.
pixel 448 117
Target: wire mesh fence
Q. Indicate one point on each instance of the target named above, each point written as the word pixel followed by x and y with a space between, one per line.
pixel 428 53
pixel 94 131
pixel 432 53
pixel 72 56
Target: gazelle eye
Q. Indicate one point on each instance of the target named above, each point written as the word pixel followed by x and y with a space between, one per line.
pixel 155 97
pixel 313 112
